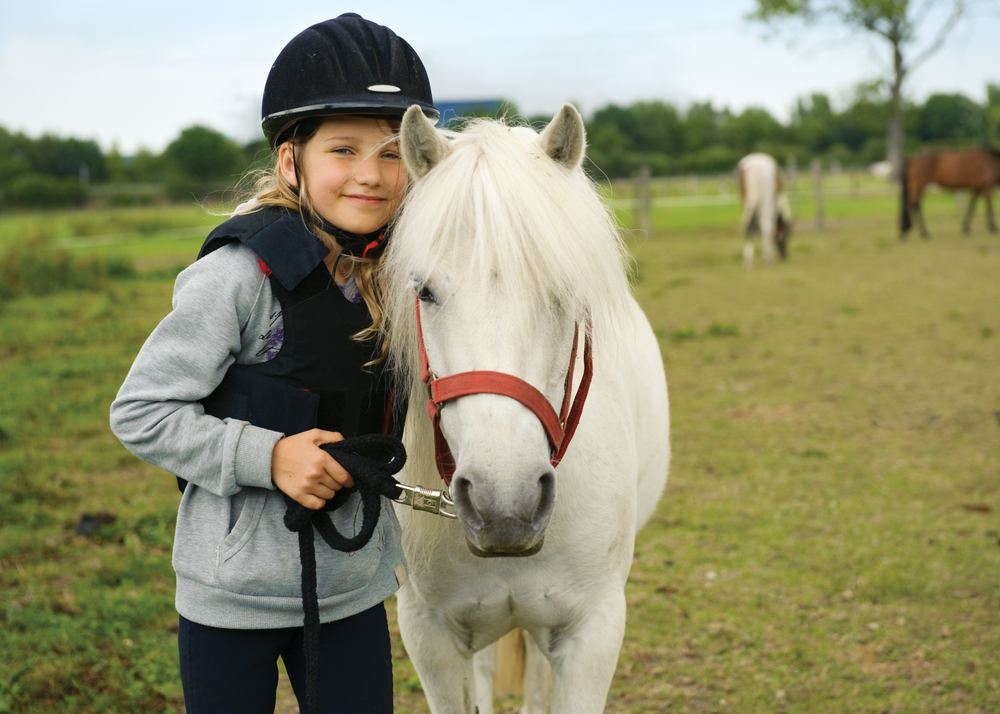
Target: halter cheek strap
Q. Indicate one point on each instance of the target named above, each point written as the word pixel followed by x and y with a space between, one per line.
pixel 559 428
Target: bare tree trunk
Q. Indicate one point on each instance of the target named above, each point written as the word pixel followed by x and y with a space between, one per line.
pixel 896 136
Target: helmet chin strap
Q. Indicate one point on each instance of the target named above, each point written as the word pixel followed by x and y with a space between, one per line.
pixel 362 245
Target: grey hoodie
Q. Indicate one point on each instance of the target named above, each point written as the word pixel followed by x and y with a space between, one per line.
pixel 237 565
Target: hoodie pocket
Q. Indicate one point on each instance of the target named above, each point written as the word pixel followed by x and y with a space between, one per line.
pixel 260 557
pixel 245 526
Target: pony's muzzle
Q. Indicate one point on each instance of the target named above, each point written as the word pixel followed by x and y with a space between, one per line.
pixel 503 522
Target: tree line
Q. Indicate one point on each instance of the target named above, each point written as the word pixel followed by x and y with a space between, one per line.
pixel 704 139
pixel 52 171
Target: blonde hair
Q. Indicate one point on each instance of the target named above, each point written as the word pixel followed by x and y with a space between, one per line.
pixel 267 188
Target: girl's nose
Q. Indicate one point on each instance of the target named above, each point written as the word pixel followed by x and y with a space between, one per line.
pixel 369 172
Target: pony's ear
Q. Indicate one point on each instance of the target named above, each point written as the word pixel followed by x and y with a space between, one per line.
pixel 422 146
pixel 564 139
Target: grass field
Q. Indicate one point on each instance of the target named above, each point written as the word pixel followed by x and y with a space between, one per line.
pixel 829 539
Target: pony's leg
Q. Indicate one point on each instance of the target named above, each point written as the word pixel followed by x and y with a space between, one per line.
pixel 767 248
pixel 445 669
pixel 917 211
pixel 991 225
pixel 484 664
pixel 537 675
pixel 767 229
pixel 748 228
pixel 967 221
pixel 584 659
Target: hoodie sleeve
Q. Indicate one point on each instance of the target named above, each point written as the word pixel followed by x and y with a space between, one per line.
pixel 156 414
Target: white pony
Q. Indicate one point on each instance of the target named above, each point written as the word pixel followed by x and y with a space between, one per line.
pixel 765 207
pixel 503 250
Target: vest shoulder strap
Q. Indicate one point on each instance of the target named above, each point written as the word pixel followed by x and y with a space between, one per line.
pixel 278 237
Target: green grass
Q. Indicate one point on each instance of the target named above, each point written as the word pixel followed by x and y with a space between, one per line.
pixel 829 536
pixel 106 223
pixel 85 622
pixel 829 540
pixel 151 237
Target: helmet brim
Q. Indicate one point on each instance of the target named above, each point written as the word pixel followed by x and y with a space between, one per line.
pixel 277 124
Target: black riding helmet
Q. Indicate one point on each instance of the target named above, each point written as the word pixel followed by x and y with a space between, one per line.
pixel 347 65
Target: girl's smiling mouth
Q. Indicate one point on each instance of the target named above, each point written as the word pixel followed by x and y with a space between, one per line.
pixel 366 200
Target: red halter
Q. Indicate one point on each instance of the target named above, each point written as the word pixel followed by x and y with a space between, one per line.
pixel 559 428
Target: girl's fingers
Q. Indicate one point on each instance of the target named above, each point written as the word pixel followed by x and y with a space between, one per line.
pixel 305 472
pixel 313 503
pixel 341 478
pixel 324 492
pixel 320 436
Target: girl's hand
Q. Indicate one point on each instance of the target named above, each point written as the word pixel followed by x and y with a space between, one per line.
pixel 305 472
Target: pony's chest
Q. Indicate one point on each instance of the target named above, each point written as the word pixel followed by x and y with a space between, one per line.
pixel 479 595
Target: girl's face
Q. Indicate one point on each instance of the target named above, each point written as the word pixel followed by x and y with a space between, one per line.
pixel 351 170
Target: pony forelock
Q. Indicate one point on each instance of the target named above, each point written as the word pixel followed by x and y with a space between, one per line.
pixel 498 211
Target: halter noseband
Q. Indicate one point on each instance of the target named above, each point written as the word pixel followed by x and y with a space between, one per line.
pixel 559 428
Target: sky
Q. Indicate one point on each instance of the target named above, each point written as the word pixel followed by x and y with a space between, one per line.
pixel 134 74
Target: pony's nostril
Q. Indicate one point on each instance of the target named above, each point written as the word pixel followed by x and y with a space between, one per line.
pixel 546 499
pixel 461 493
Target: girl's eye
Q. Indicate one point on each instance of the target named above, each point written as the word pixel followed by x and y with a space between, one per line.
pixel 425 294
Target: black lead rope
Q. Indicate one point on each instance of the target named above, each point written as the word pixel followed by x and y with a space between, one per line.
pixel 371 459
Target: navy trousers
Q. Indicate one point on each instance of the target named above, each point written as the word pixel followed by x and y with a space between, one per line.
pixel 236 671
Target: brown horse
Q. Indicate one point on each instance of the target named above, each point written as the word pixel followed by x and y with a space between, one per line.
pixel 975 169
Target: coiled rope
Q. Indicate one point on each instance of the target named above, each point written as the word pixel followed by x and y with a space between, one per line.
pixel 371 459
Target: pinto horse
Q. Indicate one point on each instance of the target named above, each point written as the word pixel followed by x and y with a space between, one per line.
pixel 765 207
pixel 508 294
pixel 975 169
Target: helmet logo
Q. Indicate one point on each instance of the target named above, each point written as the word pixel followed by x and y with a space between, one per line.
pixel 383 88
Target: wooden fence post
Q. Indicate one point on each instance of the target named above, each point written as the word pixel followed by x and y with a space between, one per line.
pixel 817 177
pixel 644 201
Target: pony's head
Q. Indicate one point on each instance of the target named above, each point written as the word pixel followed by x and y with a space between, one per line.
pixel 504 246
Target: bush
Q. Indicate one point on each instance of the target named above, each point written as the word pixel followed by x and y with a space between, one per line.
pixel 35 269
pixel 34 190
pixel 711 159
pixel 181 187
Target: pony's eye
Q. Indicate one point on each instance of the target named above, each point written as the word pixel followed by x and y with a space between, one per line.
pixel 425 294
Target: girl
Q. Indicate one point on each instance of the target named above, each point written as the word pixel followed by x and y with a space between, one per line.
pixel 268 354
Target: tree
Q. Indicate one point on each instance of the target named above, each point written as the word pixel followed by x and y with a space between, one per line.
pixel 862 125
pixel 659 128
pixel 751 130
pixel 993 110
pixel 701 126
pixel 64 158
pixel 204 154
pixel 897 22
pixel 813 122
pixel 952 117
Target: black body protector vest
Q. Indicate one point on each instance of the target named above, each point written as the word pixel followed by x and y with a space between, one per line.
pixel 318 378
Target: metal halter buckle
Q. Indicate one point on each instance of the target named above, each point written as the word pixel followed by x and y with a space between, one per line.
pixel 427 499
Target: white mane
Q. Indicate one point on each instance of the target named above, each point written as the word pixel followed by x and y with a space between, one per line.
pixel 499 211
